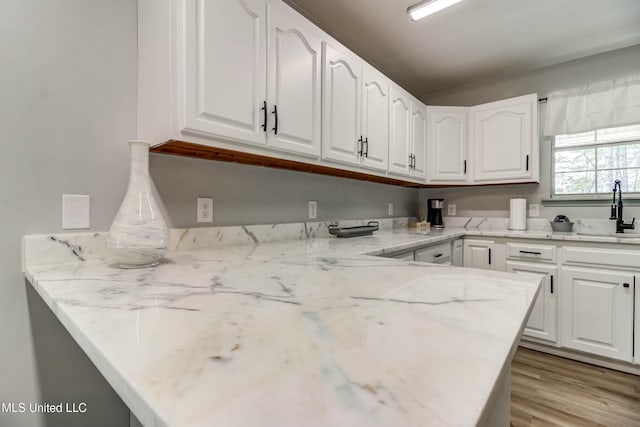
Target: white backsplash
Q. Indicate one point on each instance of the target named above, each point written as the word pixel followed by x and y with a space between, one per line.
pixel 603 226
pixel 72 247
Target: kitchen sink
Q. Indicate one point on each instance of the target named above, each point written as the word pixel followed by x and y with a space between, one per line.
pixel 619 235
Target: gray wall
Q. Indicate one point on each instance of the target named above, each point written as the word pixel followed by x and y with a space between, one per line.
pixel 494 201
pixel 68 91
pixel 255 195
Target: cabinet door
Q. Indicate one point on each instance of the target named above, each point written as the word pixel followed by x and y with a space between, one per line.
pixel 294 82
pixel 399 132
pixel 419 138
pixel 543 320
pixel 341 106
pixel 375 119
pixel 597 311
pixel 636 341
pixel 447 144
pixel 456 253
pixel 225 67
pixel 478 254
pixel 503 136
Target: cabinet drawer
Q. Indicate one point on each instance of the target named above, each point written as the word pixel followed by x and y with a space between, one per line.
pixel 404 256
pixel 531 252
pixel 595 256
pixel 439 254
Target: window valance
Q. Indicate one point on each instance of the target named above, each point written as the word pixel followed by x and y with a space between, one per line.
pixel 600 105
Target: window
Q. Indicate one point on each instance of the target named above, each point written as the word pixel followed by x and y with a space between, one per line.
pixel 588 163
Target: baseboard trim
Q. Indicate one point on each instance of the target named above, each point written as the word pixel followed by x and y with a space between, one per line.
pixel 583 357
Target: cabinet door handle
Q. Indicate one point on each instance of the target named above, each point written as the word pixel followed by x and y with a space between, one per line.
pixel 360 146
pixel 410 161
pixel 264 116
pixel 275 112
pixel 489 256
pixel 414 162
pixel 531 252
pixel 552 283
pixel 366 142
pixel 626 285
pixel 527 165
pixel 437 255
pixel 465 166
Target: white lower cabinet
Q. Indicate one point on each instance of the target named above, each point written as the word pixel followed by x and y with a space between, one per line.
pixel 587 302
pixel 438 254
pixel 404 256
pixel 597 311
pixel 456 253
pixel 543 320
pixel 478 254
pixel 636 341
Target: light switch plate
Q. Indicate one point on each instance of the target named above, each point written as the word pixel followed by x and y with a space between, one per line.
pixel 313 209
pixel 534 210
pixel 451 209
pixel 76 211
pixel 204 209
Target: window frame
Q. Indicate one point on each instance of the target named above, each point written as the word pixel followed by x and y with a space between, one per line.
pixel 588 197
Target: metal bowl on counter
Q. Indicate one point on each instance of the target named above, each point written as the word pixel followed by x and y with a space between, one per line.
pixel 561 224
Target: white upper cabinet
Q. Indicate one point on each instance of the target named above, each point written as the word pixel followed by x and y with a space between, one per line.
pixel 407 135
pixel 447 153
pixel 341 114
pixel 355 118
pixel 505 140
pixel 232 90
pixel 375 119
pixel 225 83
pixel 294 82
pixel 400 155
pixel 419 130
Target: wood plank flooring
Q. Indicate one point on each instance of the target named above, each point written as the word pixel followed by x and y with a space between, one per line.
pixel 547 390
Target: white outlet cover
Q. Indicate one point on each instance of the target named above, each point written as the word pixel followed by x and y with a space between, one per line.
pixel 534 210
pixel 451 209
pixel 390 209
pixel 76 211
pixel 313 209
pixel 204 209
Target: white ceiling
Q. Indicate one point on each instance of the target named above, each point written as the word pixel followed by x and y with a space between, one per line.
pixel 475 40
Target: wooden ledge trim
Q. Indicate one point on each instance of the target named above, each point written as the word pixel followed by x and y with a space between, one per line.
pixel 189 149
pixel 198 151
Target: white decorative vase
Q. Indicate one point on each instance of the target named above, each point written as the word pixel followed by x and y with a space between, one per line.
pixel 138 236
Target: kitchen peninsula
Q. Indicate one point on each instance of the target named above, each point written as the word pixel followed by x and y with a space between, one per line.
pixel 312 331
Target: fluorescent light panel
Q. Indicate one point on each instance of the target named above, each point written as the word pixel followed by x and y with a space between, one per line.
pixel 424 9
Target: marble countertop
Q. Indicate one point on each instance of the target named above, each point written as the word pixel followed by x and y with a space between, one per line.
pixel 309 332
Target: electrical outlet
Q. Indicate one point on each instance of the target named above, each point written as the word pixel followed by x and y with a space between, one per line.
pixel 451 209
pixel 390 209
pixel 313 209
pixel 205 209
pixel 76 211
pixel 534 210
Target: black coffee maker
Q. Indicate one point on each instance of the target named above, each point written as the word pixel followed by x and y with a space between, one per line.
pixel 434 212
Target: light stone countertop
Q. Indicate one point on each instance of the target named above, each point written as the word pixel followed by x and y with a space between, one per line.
pixel 307 332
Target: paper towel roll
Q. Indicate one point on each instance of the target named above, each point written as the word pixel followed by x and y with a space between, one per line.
pixel 518 214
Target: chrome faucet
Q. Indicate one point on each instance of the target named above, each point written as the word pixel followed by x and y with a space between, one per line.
pixel 616 210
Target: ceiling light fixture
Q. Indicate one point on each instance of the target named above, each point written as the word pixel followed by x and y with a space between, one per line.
pixel 426 8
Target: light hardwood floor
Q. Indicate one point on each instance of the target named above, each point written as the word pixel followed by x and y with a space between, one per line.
pixel 548 390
